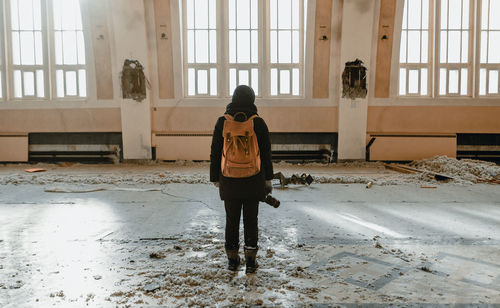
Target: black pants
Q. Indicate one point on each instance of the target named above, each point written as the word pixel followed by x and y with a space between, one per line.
pixel 233 213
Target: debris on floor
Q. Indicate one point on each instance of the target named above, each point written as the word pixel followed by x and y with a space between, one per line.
pixel 33 170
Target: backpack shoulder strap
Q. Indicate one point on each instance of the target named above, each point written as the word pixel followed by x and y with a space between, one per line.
pixel 253 117
pixel 229 117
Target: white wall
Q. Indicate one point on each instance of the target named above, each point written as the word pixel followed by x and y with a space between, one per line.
pixel 357 31
pixel 129 28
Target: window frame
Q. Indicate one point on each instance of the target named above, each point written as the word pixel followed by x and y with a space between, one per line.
pixel 2 56
pixel 477 62
pixel 418 66
pixel 48 49
pixel 454 66
pixel 264 64
pixel 11 67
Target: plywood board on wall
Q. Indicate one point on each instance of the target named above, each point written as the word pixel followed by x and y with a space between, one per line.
pixel 322 42
pixel 384 47
pixel 13 148
pixel 101 45
pixel 434 119
pixel 406 148
pixel 164 48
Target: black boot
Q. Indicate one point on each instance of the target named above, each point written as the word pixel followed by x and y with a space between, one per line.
pixel 251 259
pixel 233 259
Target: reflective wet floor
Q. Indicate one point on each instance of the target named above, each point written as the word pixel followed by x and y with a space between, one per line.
pixel 327 244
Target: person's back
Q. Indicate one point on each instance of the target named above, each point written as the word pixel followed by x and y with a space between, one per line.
pixel 242 192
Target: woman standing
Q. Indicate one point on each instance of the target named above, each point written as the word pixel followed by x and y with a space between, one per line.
pixel 240 189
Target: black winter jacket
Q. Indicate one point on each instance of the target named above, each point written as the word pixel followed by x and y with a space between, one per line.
pixel 253 187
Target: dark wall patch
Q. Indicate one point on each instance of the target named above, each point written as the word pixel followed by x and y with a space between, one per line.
pixel 354 80
pixel 133 80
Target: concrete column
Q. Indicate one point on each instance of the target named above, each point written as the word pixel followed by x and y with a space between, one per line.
pixel 129 28
pixel 357 31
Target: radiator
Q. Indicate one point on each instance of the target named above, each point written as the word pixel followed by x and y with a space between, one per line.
pixel 182 146
pixel 13 148
pixel 410 147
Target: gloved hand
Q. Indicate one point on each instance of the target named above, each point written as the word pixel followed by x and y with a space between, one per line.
pixel 269 186
pixel 216 184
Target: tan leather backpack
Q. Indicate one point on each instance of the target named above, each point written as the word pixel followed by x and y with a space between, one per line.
pixel 240 153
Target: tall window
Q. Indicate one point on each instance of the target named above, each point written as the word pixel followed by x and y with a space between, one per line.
pixel 243 44
pixel 27 48
pixel 415 65
pixel 32 27
pixel 201 47
pixel 489 66
pixel 230 42
pixel 454 47
pixel 1 52
pixel 69 49
pixel 286 46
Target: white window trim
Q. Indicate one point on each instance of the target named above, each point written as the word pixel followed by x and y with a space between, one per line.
pixel 264 65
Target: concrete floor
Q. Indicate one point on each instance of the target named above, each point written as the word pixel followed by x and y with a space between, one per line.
pixel 326 244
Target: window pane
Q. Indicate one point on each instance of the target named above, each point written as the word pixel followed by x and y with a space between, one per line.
pixel 60 83
pixel 284 49
pixel 425 46
pixel 482 82
pixel 493 82
pixel 40 86
pixel 243 77
pixel 58 47
pixel 284 82
pixel 243 14
pixel 465 46
pixel 191 81
pixel 484 46
pixel 14 15
pixel 71 87
pixel 455 14
pixel 202 82
pixel 201 14
pixel 232 80
pixel 494 15
pixel 82 83
pixel 232 46
pixel 284 14
pixel 463 81
pixel 425 14
pixel 295 81
pixel 484 14
pixel 212 22
pixel 81 48
pixel 255 47
pixel 413 46
pixel 402 50
pixel 26 14
pixel 274 47
pixel 190 46
pixel 201 46
pixel 295 46
pixel 38 48
pixel 443 47
pixel 16 52
pixel 190 14
pixel 70 9
pixel 454 47
pixel 273 7
pixel 444 14
pixel 29 83
pixel 213 81
pixel 254 14
pixel 69 47
pixel 1 86
pixel 274 81
pixel 465 14
pixel 243 38
pixel 414 14
pixel 423 81
pixel 413 81
pixel 27 48
pixel 213 46
pixel 255 80
pixel 453 80
pixel 494 47
pixel 18 90
pixel 442 81
pixel 402 81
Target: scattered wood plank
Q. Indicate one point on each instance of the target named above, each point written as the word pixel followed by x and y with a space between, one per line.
pixel 35 170
pixel 490 181
pixel 399 169
pixel 428 186
pixel 437 176
pixel 369 185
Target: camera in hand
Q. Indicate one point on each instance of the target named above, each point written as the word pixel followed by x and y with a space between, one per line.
pixel 272 201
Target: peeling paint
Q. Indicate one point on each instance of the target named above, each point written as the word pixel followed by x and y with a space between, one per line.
pixel 354 80
pixel 133 80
